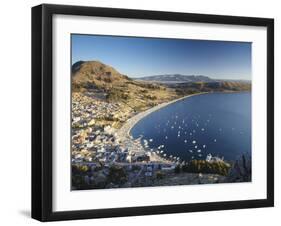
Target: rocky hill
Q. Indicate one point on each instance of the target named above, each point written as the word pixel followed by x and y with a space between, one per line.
pixel 98 78
pixel 87 73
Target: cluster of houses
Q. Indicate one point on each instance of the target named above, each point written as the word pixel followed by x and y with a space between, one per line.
pixel 95 143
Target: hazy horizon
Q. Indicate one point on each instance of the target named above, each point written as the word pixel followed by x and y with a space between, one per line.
pixel 141 57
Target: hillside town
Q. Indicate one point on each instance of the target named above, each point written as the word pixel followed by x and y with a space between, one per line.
pixel 98 149
pixel 104 156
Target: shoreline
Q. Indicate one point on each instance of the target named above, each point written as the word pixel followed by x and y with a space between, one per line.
pixel 131 122
pixel 123 134
pixel 126 128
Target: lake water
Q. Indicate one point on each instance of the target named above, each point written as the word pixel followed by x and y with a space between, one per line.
pixel 216 123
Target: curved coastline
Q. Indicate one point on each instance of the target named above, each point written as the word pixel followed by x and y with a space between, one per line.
pixel 134 145
pixel 124 131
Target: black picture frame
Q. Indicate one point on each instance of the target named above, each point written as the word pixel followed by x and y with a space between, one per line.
pixel 42 196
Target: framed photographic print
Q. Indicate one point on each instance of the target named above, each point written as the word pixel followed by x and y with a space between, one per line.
pixel 145 112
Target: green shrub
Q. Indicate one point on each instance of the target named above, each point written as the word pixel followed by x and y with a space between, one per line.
pixel 159 175
pixel 202 166
pixel 117 175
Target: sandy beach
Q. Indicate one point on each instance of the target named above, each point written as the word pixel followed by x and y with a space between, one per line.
pixel 123 134
pixel 126 128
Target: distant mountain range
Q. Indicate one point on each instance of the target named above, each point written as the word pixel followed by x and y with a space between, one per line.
pixel 179 78
pixel 176 78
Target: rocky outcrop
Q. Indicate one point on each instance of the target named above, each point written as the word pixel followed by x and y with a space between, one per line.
pixel 241 171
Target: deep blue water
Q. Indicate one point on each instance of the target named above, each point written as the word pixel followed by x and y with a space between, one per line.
pixel 216 123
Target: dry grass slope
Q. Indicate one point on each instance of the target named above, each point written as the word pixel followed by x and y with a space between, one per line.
pixel 94 76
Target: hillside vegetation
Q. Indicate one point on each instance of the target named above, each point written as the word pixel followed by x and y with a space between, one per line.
pixel 220 86
pixel 98 78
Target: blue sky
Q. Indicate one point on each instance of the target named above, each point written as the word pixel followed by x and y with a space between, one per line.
pixel 138 57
